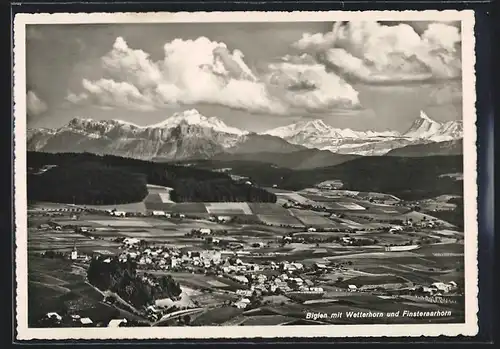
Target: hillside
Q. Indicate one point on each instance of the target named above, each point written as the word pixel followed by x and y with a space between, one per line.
pixel 454 147
pixel 302 159
pixel 410 178
pixel 91 179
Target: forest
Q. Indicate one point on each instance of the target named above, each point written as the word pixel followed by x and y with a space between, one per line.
pixel 83 178
pixel 122 278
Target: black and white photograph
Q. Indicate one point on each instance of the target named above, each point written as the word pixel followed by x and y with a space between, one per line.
pixel 245 175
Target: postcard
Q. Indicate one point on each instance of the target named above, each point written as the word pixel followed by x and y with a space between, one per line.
pixel 245 175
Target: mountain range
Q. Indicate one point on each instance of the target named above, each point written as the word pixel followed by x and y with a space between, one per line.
pixel 316 134
pixel 190 135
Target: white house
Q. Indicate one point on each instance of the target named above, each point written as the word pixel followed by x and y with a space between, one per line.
pixel 311 230
pixel 223 218
pixel 54 315
pixel 246 293
pixel 86 321
pixel 395 229
pixel 242 303
pixel 240 278
pixel 117 322
pixel 118 213
pixel 131 241
pixel 441 286
pixel 352 288
pixel 182 215
pixel 158 213
pixel 205 231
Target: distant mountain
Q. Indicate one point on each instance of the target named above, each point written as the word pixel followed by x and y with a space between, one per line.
pixel 254 143
pixel 424 128
pixel 317 134
pixel 301 159
pixel 184 135
pixel 454 147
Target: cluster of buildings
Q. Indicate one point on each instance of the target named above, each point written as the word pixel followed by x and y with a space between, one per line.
pixel 75 320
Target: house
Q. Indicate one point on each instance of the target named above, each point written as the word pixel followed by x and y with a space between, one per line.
pixel 311 230
pixel 44 226
pixel 158 213
pixel 246 293
pixel 223 219
pixel 117 322
pixel 242 303
pixel 118 213
pixel 182 215
pixel 440 286
pixel 86 321
pixel 131 241
pixel 248 183
pixel 54 315
pixel 240 278
pixel 352 288
pixel 205 231
pixel 74 254
pixel 152 309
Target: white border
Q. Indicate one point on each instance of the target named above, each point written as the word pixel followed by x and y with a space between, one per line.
pixel 469 328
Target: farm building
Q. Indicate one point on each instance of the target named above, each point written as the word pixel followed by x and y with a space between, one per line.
pixel 205 231
pixel 352 288
pixel 441 286
pixel 86 321
pixel 396 228
pixel 242 303
pixel 117 322
pixel 54 315
pixel 401 248
pixel 223 218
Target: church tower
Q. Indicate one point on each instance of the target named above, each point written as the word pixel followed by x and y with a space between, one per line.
pixel 74 253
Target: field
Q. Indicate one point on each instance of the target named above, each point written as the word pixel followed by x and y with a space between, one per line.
pixel 55 285
pixel 310 218
pixel 280 220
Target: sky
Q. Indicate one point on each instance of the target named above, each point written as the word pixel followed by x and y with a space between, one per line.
pixel 254 76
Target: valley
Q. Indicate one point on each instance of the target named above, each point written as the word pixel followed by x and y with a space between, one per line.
pixel 325 247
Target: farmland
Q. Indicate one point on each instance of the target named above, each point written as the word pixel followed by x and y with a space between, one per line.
pixel 346 231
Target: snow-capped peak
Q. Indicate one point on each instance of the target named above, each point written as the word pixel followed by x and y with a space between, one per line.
pixel 312 126
pixel 193 117
pixel 189 117
pixel 424 116
pixel 425 128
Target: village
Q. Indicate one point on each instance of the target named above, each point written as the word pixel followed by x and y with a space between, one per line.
pixel 296 254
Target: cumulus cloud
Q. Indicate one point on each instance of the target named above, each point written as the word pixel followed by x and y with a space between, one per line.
pixel 205 71
pixel 34 105
pixel 311 87
pixel 376 53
